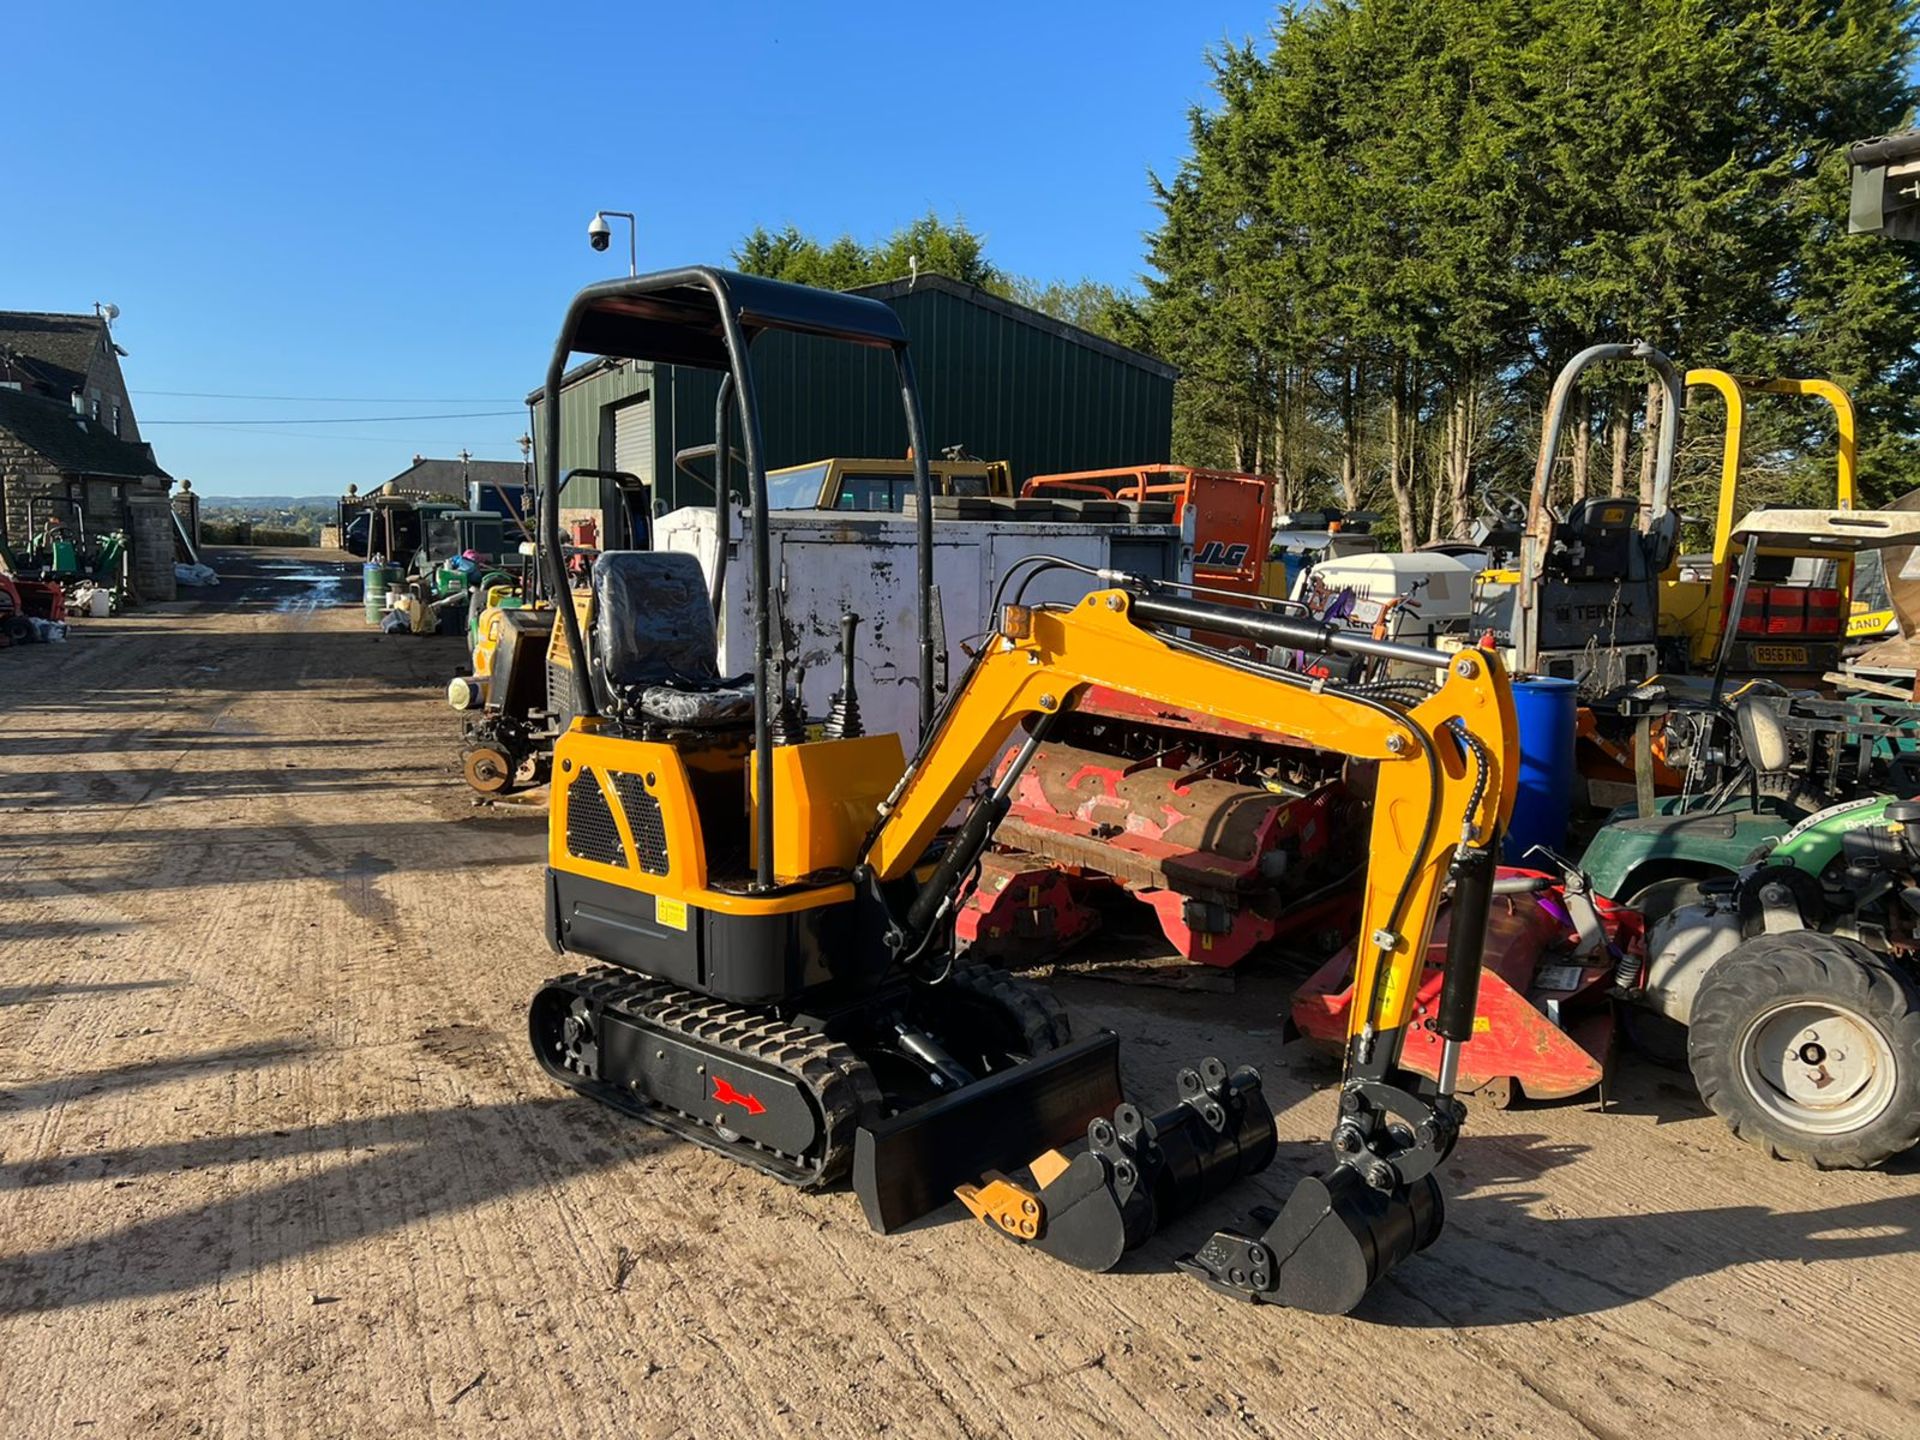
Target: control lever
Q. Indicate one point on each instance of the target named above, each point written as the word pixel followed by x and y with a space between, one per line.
pixel 843 721
pixel 789 724
pixel 1577 891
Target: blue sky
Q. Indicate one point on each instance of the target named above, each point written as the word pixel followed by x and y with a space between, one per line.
pixel 390 202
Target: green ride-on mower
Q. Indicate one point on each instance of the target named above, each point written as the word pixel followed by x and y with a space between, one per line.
pixel 1781 894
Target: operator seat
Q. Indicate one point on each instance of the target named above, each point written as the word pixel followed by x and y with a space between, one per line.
pixel 654 648
pixel 1763 737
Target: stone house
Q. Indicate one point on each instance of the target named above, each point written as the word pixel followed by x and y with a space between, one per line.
pixel 68 434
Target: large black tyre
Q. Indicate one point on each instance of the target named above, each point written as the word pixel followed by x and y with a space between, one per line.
pixel 1808 1046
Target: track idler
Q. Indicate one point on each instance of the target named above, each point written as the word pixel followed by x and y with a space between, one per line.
pixel 1137 1173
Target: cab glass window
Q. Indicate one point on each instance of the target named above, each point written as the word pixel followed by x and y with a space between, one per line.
pixel 797 489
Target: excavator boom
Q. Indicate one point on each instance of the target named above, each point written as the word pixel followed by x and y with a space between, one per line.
pixel 1447 762
pixel 1443 746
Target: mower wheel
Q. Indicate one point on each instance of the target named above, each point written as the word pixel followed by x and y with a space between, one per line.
pixel 487 769
pixel 1808 1046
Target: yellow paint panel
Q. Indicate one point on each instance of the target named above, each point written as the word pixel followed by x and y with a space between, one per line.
pixel 591 746
pixel 827 794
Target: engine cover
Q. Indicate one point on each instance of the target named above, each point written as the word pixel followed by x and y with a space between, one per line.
pixel 1683 947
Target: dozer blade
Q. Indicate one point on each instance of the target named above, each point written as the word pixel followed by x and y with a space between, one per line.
pixel 907 1165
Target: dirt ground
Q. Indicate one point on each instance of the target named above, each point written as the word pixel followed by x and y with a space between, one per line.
pixel 274 1159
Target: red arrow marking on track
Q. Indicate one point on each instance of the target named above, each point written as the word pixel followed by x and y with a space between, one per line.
pixel 727 1095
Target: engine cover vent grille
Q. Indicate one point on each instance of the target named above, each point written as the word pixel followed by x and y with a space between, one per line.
pixel 644 820
pixel 591 833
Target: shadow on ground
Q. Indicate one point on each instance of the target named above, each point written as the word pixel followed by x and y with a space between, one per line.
pixel 60 990
pixel 382 1174
pixel 138 1074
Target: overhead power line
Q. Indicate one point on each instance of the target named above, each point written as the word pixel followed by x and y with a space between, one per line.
pixel 328 438
pixel 331 399
pixel 344 419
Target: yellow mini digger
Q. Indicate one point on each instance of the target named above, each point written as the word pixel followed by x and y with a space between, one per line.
pixel 768 919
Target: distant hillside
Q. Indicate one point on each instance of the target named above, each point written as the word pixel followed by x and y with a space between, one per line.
pixel 232 519
pixel 263 502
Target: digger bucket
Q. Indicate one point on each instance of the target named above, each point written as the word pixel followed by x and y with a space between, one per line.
pixel 1333 1242
pixel 907 1165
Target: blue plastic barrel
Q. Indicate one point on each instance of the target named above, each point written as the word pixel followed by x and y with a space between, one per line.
pixel 1546 709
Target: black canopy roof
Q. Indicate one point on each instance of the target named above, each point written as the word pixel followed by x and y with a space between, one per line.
pixel 675 316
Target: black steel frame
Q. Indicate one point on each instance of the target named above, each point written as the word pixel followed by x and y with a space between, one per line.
pixel 1538 535
pixel 670 316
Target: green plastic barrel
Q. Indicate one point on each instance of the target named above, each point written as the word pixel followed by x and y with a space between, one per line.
pixel 374 580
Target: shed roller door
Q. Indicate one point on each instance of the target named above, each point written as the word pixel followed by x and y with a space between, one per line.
pixel 633 439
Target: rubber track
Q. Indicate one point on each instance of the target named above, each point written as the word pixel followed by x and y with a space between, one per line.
pixel 834 1079
pixel 1041 1018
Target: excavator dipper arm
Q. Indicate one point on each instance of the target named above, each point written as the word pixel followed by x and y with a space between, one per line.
pixel 1446 753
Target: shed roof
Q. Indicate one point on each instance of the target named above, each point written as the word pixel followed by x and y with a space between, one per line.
pixel 71 442
pixel 892 290
pixel 450 477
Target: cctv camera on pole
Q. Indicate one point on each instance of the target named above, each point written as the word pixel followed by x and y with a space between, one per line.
pixel 600 235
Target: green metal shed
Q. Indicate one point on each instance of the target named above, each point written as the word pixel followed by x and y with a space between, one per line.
pixel 1004 381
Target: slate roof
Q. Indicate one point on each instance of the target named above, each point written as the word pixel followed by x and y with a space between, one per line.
pixel 55 349
pixel 70 442
pixel 449 477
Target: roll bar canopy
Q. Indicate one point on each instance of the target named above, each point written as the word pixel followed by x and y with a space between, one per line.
pixel 1827 532
pixel 1537 538
pixel 1839 533
pixel 676 316
pixel 708 319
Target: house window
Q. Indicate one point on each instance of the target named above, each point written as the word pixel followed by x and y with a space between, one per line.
pixel 96 408
pixel 116 419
